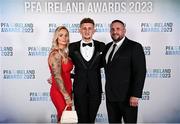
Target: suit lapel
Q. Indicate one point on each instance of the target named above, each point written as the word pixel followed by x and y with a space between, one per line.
pixel 79 56
pixel 94 57
pixel 95 54
pixel 105 52
pixel 116 55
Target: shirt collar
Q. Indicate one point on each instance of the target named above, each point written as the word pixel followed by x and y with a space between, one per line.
pixel 120 42
pixel 82 41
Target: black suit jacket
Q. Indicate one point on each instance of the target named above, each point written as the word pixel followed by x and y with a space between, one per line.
pixel 87 78
pixel 125 74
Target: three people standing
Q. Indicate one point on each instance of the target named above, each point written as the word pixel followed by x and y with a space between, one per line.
pixel 125 70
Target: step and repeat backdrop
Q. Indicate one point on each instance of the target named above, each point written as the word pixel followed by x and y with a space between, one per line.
pixel 26 31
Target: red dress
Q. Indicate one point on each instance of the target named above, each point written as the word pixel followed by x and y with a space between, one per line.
pixel 56 95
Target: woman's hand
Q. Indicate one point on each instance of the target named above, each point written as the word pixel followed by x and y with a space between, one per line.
pixel 49 80
pixel 68 101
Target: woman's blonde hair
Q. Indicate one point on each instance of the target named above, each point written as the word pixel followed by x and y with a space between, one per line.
pixel 55 38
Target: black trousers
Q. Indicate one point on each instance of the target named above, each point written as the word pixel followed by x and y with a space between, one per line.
pixel 118 110
pixel 87 108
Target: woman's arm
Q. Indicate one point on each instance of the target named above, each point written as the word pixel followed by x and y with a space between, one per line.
pixel 55 62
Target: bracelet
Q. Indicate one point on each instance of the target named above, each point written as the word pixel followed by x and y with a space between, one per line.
pixel 67 97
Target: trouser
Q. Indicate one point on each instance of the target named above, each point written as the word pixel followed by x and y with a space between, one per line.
pixel 86 108
pixel 118 110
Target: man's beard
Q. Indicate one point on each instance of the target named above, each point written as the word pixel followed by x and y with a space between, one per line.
pixel 116 39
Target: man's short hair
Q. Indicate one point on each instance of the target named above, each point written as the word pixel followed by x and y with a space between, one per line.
pixel 87 20
pixel 119 21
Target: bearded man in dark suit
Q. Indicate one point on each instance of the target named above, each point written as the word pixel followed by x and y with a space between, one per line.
pixel 125 71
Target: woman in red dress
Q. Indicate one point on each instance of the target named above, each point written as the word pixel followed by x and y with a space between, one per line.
pixel 60 66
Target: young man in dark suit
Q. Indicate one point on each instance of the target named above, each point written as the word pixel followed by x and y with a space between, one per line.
pixel 125 70
pixel 87 87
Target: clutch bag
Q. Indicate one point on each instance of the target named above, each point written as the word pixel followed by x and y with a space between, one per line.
pixel 69 116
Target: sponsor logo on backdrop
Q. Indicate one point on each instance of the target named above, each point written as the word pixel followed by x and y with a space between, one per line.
pixel 17 27
pixel 102 27
pixel 145 95
pixel 157 27
pixel 11 74
pixel 53 118
pixel 103 97
pixel 102 73
pixel 39 96
pixel 74 27
pixel 158 73
pixel 172 50
pixel 147 50
pixel 77 6
pixel 101 117
pixel 38 51
pixel 6 51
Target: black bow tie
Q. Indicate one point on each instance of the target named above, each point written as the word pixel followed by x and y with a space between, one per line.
pixel 87 44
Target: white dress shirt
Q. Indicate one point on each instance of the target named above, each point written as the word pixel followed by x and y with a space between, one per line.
pixel 118 44
pixel 87 51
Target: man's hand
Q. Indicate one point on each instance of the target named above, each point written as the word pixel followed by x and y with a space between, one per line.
pixel 133 101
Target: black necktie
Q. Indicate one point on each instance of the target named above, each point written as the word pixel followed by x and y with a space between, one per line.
pixel 87 44
pixel 110 55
